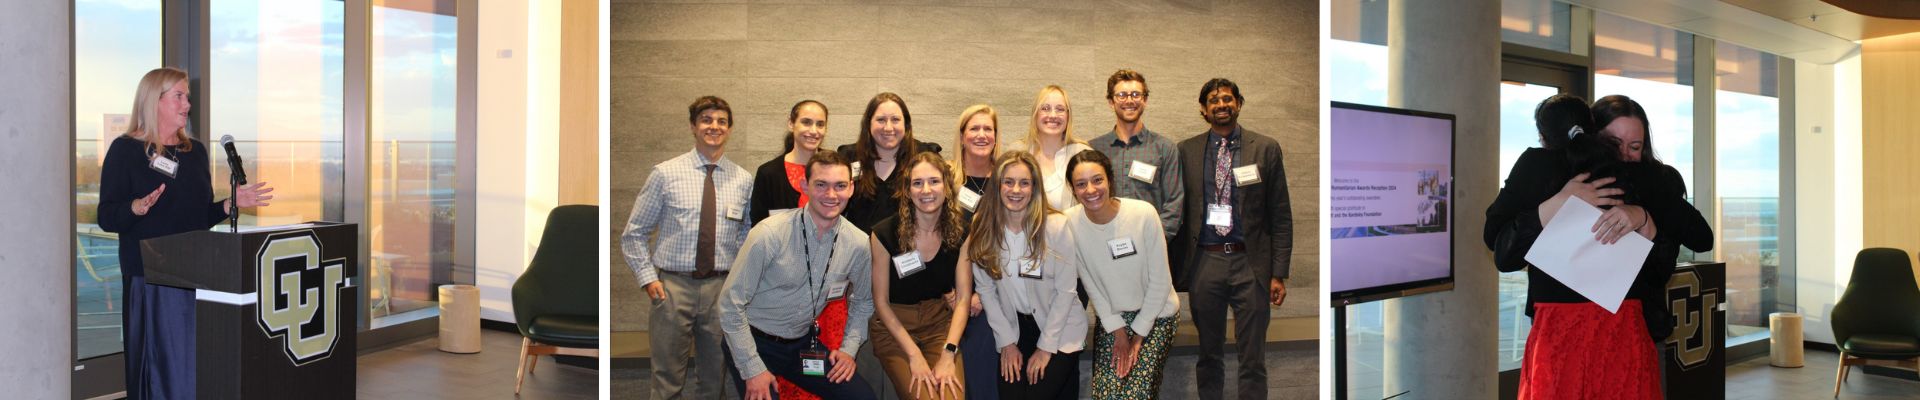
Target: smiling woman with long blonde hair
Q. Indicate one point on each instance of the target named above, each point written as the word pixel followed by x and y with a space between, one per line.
pixel 1022 266
pixel 155 181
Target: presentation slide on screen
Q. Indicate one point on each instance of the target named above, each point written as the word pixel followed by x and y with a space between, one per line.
pixel 1391 198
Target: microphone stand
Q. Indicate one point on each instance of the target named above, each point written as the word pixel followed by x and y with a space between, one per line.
pixel 235 179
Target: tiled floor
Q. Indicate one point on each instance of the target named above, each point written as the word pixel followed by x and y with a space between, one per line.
pixel 1755 379
pixel 419 370
pixel 1292 373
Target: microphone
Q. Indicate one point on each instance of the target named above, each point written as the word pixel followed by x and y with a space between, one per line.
pixel 233 161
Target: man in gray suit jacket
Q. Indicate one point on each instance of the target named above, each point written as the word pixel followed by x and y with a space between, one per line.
pixel 1238 239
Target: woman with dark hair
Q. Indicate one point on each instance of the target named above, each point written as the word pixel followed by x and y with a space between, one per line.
pixel 1577 349
pixel 1124 270
pixel 886 139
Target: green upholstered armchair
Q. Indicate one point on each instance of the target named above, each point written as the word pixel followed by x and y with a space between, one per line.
pixel 556 302
pixel 1878 317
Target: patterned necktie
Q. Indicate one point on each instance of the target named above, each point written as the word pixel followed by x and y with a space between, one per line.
pixel 1222 183
pixel 703 253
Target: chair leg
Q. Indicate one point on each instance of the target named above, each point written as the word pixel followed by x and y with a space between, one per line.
pixel 532 361
pixel 1841 376
pixel 520 376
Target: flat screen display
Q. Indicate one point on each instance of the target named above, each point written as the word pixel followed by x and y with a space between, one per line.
pixel 1390 202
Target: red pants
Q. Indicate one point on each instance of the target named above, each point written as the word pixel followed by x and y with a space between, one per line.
pixel 1579 351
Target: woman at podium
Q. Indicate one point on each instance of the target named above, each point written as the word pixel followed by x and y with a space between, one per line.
pixel 155 181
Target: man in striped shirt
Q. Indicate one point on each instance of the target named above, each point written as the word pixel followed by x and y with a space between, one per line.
pixel 694 207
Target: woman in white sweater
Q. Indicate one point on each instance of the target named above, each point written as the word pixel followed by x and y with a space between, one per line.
pixel 1024 269
pixel 1123 264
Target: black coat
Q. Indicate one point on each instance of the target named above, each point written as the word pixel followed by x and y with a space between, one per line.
pixel 1513 223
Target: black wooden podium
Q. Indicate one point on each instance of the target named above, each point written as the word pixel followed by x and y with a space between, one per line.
pixel 275 310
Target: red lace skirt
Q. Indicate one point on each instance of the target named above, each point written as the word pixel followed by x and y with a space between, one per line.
pixel 1579 351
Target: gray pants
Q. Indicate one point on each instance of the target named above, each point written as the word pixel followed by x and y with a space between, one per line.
pixel 687 315
pixel 1222 280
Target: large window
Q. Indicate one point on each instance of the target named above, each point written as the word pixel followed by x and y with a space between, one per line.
pixel 1747 185
pixel 1653 65
pixel 410 157
pixel 114 44
pixel 1544 24
pixel 274 83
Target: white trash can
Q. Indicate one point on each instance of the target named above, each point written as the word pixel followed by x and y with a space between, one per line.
pixel 459 319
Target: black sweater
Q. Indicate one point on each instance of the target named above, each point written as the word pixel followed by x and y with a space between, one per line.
pixel 186 205
pixel 865 211
pixel 771 190
pixel 1513 223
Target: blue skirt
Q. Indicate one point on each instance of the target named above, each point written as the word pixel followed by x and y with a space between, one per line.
pixel 159 326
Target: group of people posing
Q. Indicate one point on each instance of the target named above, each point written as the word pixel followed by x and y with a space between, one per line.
pixel 973 272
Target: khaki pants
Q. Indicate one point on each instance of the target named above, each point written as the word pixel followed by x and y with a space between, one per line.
pixel 685 332
pixel 926 322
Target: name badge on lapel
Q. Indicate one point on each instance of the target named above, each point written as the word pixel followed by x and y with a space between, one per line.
pixel 1029 268
pixel 736 213
pixel 1246 175
pixel 1220 215
pixel 1121 248
pixel 837 290
pixel 165 166
pixel 968 197
pixel 905 265
pixel 1142 171
pixel 856 169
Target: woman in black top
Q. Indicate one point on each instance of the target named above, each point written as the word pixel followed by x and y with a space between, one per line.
pixel 776 184
pixel 1576 349
pixel 155 181
pixel 886 138
pixel 914 252
pixel 979 141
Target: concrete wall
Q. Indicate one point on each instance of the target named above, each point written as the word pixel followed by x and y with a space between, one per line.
pixel 35 50
pixel 1445 57
pixel 763 58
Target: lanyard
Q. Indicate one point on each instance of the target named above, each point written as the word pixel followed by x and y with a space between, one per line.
pixel 815 292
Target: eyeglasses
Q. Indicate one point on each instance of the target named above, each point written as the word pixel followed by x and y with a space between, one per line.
pixel 1129 95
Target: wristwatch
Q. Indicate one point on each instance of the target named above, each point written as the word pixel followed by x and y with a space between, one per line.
pixel 951 348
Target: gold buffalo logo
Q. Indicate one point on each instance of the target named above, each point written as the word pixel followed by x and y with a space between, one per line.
pixel 300 295
pixel 1693 321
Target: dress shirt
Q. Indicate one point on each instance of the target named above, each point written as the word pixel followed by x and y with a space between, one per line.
pixel 1166 192
pixel 668 208
pixel 781 279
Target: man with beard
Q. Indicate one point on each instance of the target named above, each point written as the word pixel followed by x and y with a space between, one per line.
pixel 689 251
pixel 791 265
pixel 1147 160
pixel 1238 232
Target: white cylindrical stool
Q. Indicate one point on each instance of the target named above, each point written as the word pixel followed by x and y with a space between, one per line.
pixel 1787 348
pixel 459 319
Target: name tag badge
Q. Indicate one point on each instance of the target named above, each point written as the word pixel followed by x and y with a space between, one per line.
pixel 813 362
pixel 836 290
pixel 1121 248
pixel 1246 175
pixel 165 166
pixel 1029 269
pixel 907 264
pixel 969 198
pixel 856 169
pixel 1142 171
pixel 1220 215
pixel 736 213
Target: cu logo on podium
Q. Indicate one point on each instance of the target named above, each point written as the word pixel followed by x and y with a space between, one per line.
pixel 299 295
pixel 1693 319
